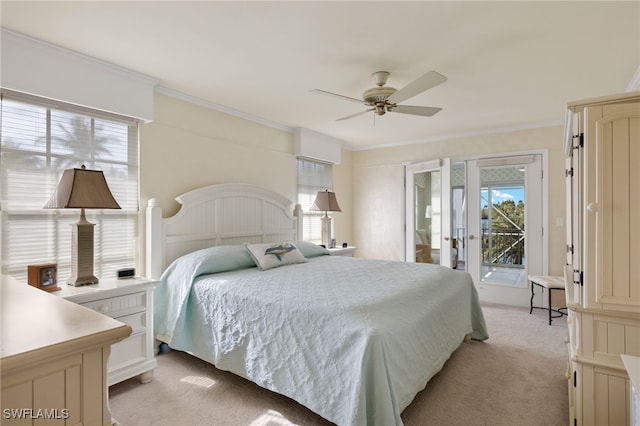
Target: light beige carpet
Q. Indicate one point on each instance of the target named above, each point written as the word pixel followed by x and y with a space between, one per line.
pixel 517 377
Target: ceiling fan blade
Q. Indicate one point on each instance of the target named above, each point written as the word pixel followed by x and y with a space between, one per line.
pixel 335 95
pixel 355 115
pixel 415 110
pixel 426 82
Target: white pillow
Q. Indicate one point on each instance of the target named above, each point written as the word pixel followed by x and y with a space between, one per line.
pixel 269 256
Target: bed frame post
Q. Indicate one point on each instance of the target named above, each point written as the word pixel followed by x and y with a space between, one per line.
pixel 297 212
pixel 155 240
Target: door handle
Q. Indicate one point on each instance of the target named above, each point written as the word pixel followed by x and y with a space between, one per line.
pixel 446 238
pixel 472 237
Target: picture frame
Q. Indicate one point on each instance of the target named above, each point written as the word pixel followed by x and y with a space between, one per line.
pixel 43 276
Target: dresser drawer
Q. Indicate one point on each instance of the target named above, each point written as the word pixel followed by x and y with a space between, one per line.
pixel 119 306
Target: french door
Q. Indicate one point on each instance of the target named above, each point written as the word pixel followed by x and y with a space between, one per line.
pixel 484 216
pixel 427 212
pixel 504 234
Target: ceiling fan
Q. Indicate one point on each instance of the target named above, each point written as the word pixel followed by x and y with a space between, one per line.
pixel 385 99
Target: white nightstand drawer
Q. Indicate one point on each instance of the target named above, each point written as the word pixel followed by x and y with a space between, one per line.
pixel 128 351
pixel 116 307
pixel 137 322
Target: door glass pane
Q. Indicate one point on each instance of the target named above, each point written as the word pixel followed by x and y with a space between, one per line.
pixel 427 216
pixel 502 213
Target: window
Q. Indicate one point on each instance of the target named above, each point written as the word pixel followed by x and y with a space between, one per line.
pixel 42 138
pixel 313 176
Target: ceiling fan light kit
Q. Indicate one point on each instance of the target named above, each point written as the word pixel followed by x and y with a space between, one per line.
pixel 385 99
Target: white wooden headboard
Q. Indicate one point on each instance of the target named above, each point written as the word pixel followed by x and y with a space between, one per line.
pixel 231 213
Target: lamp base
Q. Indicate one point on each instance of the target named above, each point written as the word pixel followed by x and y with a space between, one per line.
pixel 82 253
pixel 326 231
pixel 77 282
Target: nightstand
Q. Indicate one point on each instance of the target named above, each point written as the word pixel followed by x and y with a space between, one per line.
pixel 131 302
pixel 343 251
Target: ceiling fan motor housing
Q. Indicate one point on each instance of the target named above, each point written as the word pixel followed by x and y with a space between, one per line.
pixel 377 97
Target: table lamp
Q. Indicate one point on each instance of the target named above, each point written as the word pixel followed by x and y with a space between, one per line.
pixel 82 189
pixel 326 201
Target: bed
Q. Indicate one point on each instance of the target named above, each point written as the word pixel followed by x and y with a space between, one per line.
pixel 352 339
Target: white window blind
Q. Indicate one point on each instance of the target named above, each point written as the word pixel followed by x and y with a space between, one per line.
pixel 313 176
pixel 40 139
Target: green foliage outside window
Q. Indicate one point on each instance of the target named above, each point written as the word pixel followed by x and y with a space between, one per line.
pixel 503 233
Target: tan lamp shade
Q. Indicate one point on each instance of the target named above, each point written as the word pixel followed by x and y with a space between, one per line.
pixel 325 201
pixel 82 189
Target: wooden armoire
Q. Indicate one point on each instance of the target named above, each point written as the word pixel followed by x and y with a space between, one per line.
pixel 602 146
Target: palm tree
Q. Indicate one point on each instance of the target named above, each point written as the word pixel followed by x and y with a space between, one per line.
pixel 73 139
pixel 80 140
pixel 66 140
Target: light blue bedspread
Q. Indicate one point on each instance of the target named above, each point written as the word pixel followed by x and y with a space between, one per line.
pixel 354 340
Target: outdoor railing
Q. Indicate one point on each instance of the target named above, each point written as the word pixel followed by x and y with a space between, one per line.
pixel 504 247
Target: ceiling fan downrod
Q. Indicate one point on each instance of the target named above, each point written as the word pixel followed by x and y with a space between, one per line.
pixel 380 77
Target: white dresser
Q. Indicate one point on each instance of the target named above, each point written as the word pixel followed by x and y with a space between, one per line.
pixel 54 358
pixel 603 255
pixel 131 302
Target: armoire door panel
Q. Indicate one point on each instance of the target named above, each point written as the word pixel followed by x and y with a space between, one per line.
pixel 611 202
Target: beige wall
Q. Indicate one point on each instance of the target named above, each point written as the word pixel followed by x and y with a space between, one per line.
pixel 378 187
pixel 188 146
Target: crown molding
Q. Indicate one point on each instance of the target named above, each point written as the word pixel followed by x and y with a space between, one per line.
pixel 459 135
pixel 212 105
pixel 217 107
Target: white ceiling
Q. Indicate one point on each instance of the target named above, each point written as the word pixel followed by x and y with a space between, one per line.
pixel 509 64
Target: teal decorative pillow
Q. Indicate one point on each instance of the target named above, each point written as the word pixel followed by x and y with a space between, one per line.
pixel 213 260
pixel 310 250
pixel 269 256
